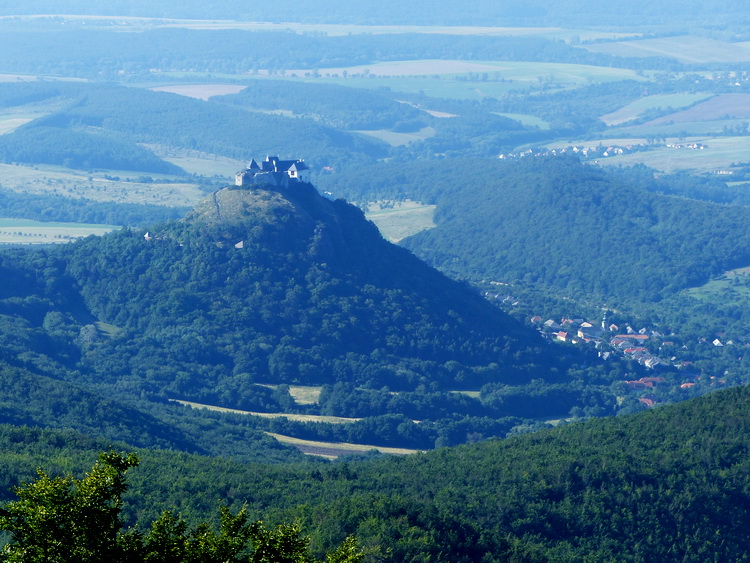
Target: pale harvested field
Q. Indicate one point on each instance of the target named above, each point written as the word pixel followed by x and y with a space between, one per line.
pixel 721 152
pixel 332 450
pixel 24 231
pixel 302 394
pixel 634 109
pixel 55 180
pixel 201 91
pixel 724 106
pixel 296 417
pixel 329 29
pixel 404 219
pixel 10 124
pixel 197 162
pixel 686 48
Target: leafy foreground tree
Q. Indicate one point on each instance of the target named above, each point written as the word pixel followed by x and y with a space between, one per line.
pixel 64 519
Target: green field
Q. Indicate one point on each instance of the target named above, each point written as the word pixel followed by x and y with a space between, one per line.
pixel 636 108
pixel 397 220
pixel 24 231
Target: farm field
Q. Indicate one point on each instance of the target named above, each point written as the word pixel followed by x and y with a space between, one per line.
pixel 528 120
pixel 509 70
pixel 686 49
pixel 461 79
pixel 635 109
pixel 399 139
pixel 197 162
pixel 400 219
pixel 725 106
pixel 107 22
pixel 200 91
pixel 332 450
pixel 23 231
pixel 40 179
pixel 721 152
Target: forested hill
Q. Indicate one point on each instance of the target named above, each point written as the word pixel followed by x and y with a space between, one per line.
pixel 575 227
pixel 284 286
pixel 670 484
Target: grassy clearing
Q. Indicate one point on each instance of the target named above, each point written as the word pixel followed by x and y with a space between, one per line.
pixel 528 120
pixel 40 179
pixel 397 220
pixel 108 330
pixel 332 450
pixel 636 108
pixel 296 417
pixel 399 139
pixel 24 231
pixel 472 394
pixel 686 48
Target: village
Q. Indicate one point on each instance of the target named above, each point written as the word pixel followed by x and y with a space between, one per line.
pixel 649 348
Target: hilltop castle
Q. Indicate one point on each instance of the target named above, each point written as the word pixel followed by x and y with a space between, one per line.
pixel 274 172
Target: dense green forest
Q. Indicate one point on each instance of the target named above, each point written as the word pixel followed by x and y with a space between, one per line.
pixel 666 485
pixel 579 229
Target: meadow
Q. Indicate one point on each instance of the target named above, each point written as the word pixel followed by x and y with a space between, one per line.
pixel 400 219
pixel 24 231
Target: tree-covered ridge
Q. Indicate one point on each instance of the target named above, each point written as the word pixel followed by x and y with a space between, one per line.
pixel 665 485
pixel 127 116
pixel 574 227
pixel 338 106
pixel 80 150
